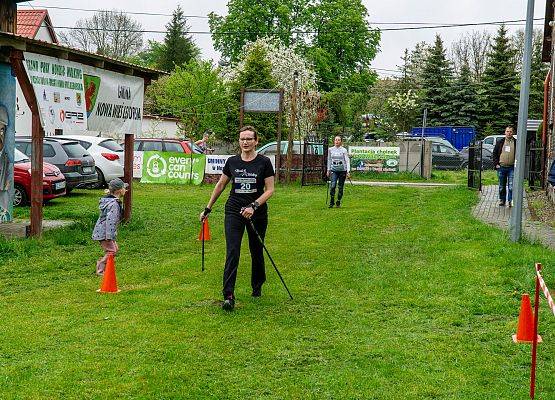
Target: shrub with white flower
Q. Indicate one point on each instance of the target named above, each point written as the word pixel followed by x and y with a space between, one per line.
pixel 284 62
pixel 403 108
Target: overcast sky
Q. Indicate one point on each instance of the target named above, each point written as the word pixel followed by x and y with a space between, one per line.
pixel 392 44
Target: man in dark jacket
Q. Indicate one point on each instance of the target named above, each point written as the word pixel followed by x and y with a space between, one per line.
pixel 504 160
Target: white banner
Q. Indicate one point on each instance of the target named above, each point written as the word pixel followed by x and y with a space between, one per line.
pixel 137 164
pixel 215 164
pixel 58 86
pixel 114 101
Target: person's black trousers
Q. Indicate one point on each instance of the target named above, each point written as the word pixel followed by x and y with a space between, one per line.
pixel 337 177
pixel 234 229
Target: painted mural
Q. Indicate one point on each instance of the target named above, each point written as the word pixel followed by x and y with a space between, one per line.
pixel 7 141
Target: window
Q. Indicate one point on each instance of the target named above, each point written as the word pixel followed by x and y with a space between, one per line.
pixel 446 150
pixel 152 146
pixel 175 147
pixel 111 145
pixel 85 145
pixel 48 151
pixel 435 148
pixel 196 149
pixel 137 145
pixel 74 150
pixel 270 150
pixel 24 147
pixel 488 140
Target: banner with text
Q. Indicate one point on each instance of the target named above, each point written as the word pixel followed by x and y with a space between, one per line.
pixel 215 164
pixel 114 101
pixel 377 159
pixel 174 168
pixel 58 86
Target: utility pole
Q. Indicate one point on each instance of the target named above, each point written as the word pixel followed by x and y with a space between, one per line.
pixel 291 131
pixel 515 221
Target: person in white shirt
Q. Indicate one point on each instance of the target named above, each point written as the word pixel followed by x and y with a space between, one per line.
pixel 339 168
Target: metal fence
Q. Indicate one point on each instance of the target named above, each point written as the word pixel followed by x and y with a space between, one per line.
pixel 534 158
pixel 314 161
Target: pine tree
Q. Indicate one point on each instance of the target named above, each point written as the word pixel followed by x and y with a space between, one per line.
pixel 464 101
pixel 499 96
pixel 178 47
pixel 437 78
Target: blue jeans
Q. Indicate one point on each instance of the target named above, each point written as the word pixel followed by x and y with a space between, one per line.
pixel 505 175
pixel 335 178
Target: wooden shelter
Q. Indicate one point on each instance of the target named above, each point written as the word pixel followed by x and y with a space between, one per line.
pixel 12 48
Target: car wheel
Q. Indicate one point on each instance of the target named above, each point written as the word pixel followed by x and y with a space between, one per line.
pixel 464 165
pixel 101 181
pixel 19 196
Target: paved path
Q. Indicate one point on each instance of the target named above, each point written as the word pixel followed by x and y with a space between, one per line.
pixel 17 228
pixel 490 212
pixel 411 184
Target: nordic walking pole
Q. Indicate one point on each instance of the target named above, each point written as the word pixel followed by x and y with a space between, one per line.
pixel 270 257
pixel 327 190
pixel 202 238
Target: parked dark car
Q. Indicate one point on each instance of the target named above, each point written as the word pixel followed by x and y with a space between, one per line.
pixel 445 157
pixel 487 158
pixel 165 144
pixel 53 181
pixel 69 156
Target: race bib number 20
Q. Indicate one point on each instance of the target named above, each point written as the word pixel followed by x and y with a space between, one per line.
pixel 245 185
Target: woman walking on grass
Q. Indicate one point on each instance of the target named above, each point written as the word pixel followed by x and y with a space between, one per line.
pixel 252 184
pixel 339 169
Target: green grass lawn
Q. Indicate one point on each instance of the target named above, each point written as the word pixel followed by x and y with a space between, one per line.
pixel 400 294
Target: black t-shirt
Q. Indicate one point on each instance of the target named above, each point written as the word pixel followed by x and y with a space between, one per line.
pixel 247 182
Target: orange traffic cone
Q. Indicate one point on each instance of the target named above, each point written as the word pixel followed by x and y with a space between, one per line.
pixel 525 330
pixel 204 227
pixel 109 283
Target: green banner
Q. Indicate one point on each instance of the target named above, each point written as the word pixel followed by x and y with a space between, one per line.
pixel 174 168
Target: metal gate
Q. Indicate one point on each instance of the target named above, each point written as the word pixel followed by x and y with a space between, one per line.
pixel 534 156
pixel 315 159
pixel 475 165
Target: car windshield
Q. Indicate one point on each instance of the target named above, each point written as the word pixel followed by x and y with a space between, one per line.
pixel 74 150
pixel 111 145
pixel 19 157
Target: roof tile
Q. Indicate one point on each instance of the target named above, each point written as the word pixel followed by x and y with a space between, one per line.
pixel 29 22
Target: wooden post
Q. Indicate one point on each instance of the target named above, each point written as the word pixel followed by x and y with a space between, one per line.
pixel 16 59
pixel 8 16
pixel 242 109
pixel 128 176
pixel 278 150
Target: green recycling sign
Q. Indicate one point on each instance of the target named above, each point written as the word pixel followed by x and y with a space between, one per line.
pixel 173 168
